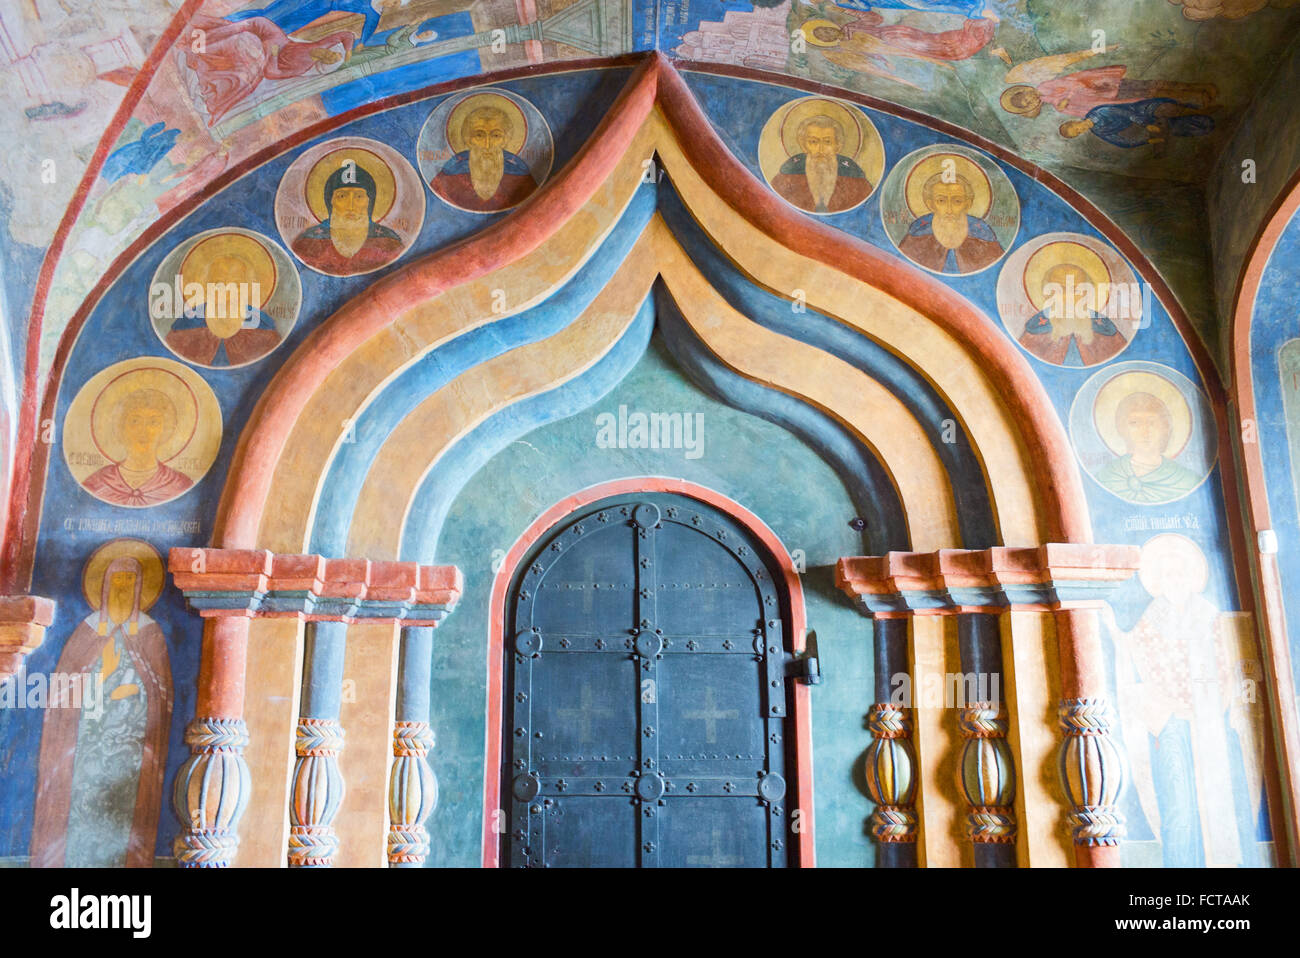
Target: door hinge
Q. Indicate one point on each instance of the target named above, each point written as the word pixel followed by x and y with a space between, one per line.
pixel 805 669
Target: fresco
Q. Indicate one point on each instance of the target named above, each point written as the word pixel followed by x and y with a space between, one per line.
pixel 1186 688
pixel 99 787
pixel 1034 77
pixel 1069 299
pixel 485 152
pixel 1145 433
pixel 141 432
pixel 950 210
pixel 349 206
pixel 821 156
pixel 224 298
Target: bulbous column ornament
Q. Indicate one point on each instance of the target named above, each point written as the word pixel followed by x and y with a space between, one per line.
pixel 891 774
pixel 1093 772
pixel 210 792
pixel 317 793
pixel 412 794
pixel 987 774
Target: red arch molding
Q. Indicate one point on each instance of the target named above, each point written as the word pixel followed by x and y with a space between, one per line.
pixel 802 716
pixel 655 81
pixel 1271 621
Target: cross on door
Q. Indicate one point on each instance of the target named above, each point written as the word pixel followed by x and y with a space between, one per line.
pixel 584 713
pixel 715 857
pixel 710 714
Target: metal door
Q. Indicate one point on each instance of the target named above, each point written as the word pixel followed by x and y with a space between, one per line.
pixel 646 712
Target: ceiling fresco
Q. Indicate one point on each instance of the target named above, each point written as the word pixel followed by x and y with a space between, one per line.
pixel 1128 103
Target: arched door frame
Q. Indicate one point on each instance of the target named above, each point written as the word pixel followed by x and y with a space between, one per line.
pixel 802 797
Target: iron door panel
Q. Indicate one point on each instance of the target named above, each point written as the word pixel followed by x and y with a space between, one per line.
pixel 584 716
pixel 714 833
pixel 646 693
pixel 589 584
pixel 703 588
pixel 591 832
pixel 710 715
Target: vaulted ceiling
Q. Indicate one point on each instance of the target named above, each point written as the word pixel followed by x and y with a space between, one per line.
pixel 121 110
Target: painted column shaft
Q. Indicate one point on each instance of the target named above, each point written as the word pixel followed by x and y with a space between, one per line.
pixel 413 787
pixel 317 781
pixel 890 760
pixel 986 772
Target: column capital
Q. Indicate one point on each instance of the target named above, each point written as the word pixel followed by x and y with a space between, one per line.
pixel 23 621
pixel 255 583
pixel 950 581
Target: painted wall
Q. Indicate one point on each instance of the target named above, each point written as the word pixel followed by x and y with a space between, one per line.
pixel 1275 368
pixel 1195 764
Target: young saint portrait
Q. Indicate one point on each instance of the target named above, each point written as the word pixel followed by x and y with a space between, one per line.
pixel 141 432
pixel 1144 432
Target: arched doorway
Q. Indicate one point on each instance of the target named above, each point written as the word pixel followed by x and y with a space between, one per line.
pixel 647 715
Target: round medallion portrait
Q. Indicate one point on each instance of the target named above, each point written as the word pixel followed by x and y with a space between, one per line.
pixel 1144 432
pixel 485 151
pixel 141 432
pixel 224 298
pixel 950 209
pixel 349 206
pixel 1069 299
pixel 820 155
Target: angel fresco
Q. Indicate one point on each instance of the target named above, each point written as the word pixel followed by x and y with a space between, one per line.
pixel 103 755
pixel 236 57
pixel 293 15
pixel 1184 676
pixel 1143 123
pixel 1043 81
pixel 865 43
pixel 972 9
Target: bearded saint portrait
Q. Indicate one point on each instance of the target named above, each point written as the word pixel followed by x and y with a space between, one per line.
pixel 821 179
pixel 348 240
pixel 485 176
pixel 946 238
pixel 1070 328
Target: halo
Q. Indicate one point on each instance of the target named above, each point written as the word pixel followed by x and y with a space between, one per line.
pixel 1154 568
pixel 1057 254
pixel 92 576
pixel 518 121
pixel 104 410
pixel 1125 384
pixel 963 166
pixel 1010 92
pixel 372 163
pixel 809 27
pixel 814 106
pixel 261 265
